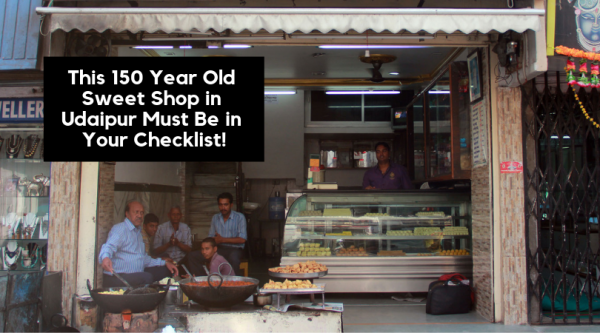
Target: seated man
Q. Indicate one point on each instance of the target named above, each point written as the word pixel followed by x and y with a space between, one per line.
pixel 229 230
pixel 213 259
pixel 148 232
pixel 124 253
pixel 173 238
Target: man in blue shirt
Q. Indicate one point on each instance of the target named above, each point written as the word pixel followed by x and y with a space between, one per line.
pixel 229 231
pixel 173 238
pixel 125 253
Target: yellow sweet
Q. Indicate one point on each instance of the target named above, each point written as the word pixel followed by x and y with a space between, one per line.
pixel 115 292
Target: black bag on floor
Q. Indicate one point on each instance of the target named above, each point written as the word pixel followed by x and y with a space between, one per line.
pixel 448 297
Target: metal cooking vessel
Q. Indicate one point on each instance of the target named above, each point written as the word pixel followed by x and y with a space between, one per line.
pixel 136 303
pixel 218 297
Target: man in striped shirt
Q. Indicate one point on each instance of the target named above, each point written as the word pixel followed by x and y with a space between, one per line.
pixel 125 253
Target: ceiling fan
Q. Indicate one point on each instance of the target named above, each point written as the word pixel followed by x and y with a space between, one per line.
pixel 377 60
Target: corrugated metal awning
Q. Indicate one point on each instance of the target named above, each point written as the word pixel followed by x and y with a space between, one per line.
pixel 19 34
pixel 292 20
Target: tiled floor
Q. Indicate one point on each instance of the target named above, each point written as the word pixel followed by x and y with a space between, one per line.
pixel 379 313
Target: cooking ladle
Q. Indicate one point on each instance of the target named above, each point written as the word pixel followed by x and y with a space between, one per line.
pixel 129 287
pixel 133 291
pixel 187 271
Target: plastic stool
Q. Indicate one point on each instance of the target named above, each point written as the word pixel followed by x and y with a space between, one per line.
pixel 244 266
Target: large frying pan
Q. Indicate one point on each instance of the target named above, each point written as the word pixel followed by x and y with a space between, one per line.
pixel 136 303
pixel 217 296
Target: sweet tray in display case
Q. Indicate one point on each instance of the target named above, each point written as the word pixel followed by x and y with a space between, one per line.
pixel 315 275
pixel 402 239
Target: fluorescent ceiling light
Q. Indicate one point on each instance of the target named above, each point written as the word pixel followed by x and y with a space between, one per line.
pixel 153 47
pixel 371 46
pixel 166 39
pixel 394 73
pixel 309 36
pixel 185 47
pixel 374 92
pixel 439 91
pixel 213 47
pixel 280 92
pixel 236 46
pixel 556 137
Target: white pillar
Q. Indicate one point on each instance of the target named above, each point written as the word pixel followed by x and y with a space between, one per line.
pixel 88 208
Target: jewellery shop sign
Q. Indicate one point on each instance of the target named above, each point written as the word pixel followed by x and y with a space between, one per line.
pixel 22 110
pixel 154 109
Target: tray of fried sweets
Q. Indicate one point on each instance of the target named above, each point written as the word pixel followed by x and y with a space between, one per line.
pixel 302 270
pixel 296 287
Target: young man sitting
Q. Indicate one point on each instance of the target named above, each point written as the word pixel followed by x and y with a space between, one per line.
pixel 148 232
pixel 210 258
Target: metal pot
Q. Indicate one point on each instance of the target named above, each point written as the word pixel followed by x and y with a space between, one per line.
pixel 262 299
pixel 174 296
pixel 134 302
pixel 217 296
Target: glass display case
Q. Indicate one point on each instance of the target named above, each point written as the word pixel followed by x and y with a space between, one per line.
pixel 381 241
pixel 24 199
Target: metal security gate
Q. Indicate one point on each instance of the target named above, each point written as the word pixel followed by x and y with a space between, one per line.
pixel 562 178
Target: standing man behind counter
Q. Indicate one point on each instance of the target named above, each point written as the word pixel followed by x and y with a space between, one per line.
pixel 386 175
pixel 125 253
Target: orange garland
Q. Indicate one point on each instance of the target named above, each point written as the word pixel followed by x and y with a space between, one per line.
pixel 575 53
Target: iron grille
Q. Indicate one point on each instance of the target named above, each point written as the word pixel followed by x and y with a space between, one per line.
pixel 562 178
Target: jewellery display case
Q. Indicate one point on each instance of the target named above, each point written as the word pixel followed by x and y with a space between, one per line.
pixel 381 241
pixel 24 200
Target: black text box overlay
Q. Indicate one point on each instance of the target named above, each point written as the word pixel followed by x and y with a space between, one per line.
pixel 154 109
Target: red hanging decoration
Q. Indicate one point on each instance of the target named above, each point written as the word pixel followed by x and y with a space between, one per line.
pixel 582 81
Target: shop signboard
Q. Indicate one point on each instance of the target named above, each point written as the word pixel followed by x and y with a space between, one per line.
pixel 22 110
pixel 511 167
pixel 479 130
pixel 573 24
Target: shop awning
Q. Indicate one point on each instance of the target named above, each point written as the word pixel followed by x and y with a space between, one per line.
pixel 292 20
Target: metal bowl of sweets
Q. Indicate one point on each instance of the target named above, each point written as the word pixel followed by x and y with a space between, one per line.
pixel 216 291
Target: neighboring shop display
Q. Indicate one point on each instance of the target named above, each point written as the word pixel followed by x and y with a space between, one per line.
pixel 385 237
pixel 24 199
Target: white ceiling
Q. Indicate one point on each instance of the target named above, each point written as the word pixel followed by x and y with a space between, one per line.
pixel 297 62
